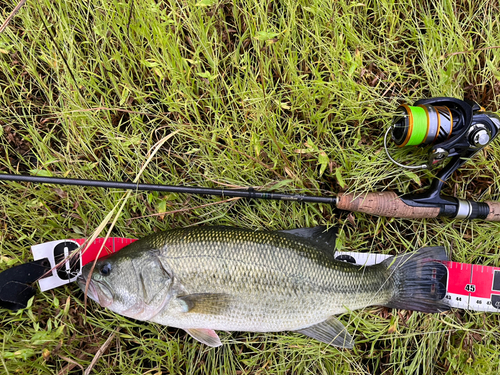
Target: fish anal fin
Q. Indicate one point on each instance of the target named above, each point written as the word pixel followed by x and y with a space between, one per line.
pixel 205 336
pixel 330 331
pixel 205 303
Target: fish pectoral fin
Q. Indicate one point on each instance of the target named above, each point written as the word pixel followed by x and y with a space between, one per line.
pixel 205 336
pixel 331 332
pixel 205 303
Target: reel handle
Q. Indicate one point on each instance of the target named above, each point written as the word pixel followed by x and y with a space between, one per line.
pixel 389 204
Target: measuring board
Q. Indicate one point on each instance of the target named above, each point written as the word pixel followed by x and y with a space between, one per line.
pixel 57 251
pixel 469 286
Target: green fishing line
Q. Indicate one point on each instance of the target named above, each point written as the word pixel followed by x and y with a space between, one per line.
pixel 420 125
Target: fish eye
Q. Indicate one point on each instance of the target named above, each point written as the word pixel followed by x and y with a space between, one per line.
pixel 105 269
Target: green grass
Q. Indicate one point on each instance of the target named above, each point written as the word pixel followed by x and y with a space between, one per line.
pixel 287 95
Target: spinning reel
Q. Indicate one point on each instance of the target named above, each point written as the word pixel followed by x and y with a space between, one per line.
pixel 457 130
pixel 454 127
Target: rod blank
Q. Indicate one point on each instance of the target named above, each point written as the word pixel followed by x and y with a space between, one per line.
pixel 249 193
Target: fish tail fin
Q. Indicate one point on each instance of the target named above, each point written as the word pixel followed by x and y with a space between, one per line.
pixel 420 282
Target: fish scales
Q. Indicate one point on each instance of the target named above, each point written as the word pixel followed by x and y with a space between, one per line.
pixel 275 282
pixel 223 278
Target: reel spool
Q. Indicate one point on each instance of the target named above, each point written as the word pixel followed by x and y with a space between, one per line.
pixel 454 127
pixel 422 125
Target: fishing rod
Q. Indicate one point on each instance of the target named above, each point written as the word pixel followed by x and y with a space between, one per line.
pixel 456 129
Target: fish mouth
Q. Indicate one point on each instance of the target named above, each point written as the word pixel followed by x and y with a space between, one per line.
pixel 91 291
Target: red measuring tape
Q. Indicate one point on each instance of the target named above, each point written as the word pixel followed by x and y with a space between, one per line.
pixel 58 251
pixel 469 286
pixel 473 287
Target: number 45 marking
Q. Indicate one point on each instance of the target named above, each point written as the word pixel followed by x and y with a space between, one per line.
pixel 471 288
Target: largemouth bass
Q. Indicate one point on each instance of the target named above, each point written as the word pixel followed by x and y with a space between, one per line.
pixel 223 278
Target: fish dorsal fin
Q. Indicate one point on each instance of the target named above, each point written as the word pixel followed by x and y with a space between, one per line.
pixel 330 331
pixel 205 303
pixel 205 336
pixel 318 236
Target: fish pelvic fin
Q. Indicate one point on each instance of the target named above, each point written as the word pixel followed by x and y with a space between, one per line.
pixel 419 280
pixel 205 336
pixel 330 331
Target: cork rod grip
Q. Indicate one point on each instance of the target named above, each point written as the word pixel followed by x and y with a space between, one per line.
pixel 494 214
pixel 386 204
